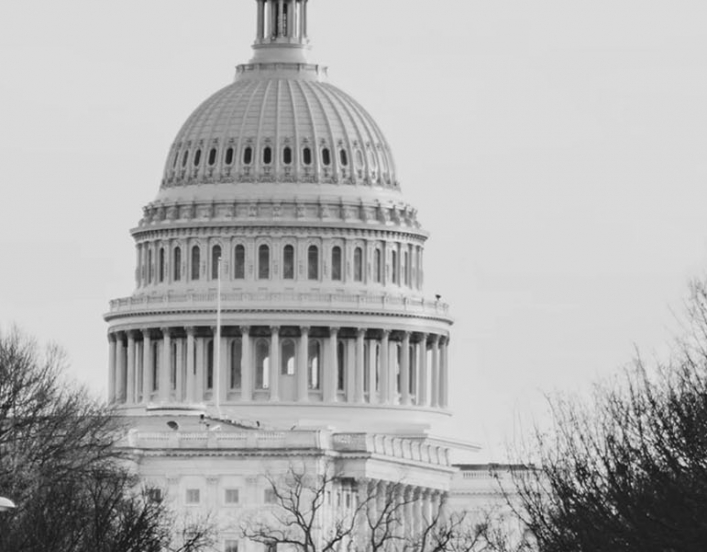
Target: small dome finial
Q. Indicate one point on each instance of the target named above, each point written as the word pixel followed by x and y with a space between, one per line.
pixel 281 34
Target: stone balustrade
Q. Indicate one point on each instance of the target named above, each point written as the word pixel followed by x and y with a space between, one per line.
pixel 391 446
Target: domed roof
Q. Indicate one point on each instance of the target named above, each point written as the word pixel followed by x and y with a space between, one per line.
pixel 280 123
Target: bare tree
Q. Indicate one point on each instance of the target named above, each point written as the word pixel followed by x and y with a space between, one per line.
pixel 627 470
pixel 60 465
pixel 308 513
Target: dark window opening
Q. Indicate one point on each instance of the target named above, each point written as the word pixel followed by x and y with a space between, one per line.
pixel 336 263
pixel 248 156
pixel 288 262
pixel 287 155
pixel 236 354
pixel 185 157
pixel 195 262
pixel 344 158
pixel 358 265
pixel 326 157
pixel 177 264
pixel 212 157
pixel 267 155
pixel 239 263
pixel 313 262
pixel 307 156
pixel 287 358
pixel 229 156
pixel 263 262
pixel 197 158
pixel 162 265
pixel 215 261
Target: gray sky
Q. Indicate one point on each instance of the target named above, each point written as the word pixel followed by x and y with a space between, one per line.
pixel 554 149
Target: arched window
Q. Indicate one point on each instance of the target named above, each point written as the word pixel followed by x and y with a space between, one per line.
pixel 197 158
pixel 267 155
pixel 162 266
pixel 215 261
pixel 336 263
pixel 288 262
pixel 406 267
pixel 313 262
pixel 177 269
pixel 373 159
pixel 314 364
pixel 263 262
pixel 150 266
pixel 377 266
pixel 344 158
pixel 229 156
pixel 287 155
pixel 212 156
pixel 239 262
pixel 262 362
pixel 185 156
pixel 359 158
pixel 307 156
pixel 195 262
pixel 340 366
pixel 176 158
pixel 287 358
pixel 326 157
pixel 358 265
pixel 236 357
pixel 247 155
pixel 394 263
pixel 210 364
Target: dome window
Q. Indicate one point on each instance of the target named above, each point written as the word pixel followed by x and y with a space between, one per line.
pixel 215 261
pixel 314 358
pixel 373 159
pixel 336 263
pixel 162 265
pixel 287 358
pixel 359 158
pixel 229 156
pixel 377 266
pixel 358 265
pixel 197 158
pixel 340 366
pixel 267 155
pixel 195 262
pixel 239 263
pixel 262 361
pixel 307 156
pixel 326 157
pixel 313 262
pixel 248 156
pixel 287 155
pixel 344 157
pixel 185 156
pixel 212 157
pixel 263 262
pixel 177 264
pixel 176 158
pixel 288 262
pixel 236 358
pixel 210 364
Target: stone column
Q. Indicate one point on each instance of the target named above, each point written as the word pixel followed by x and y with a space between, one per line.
pixel 444 374
pixel 360 365
pixel 191 368
pixel 350 359
pixel 434 388
pixel 302 366
pixel 261 19
pixel 422 399
pixel 330 373
pixel 275 363
pixel 199 375
pixel 372 371
pixel 385 376
pixel 111 367
pixel 405 370
pixel 427 514
pixel 166 366
pixel 246 366
pixel 131 393
pixel 304 19
pixel 180 394
pixel 417 512
pixel 146 366
pixel 120 370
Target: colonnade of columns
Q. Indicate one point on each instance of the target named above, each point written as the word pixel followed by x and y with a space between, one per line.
pixel 282 19
pixel 279 363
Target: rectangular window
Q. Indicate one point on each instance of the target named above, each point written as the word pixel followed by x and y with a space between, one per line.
pixel 231 496
pixel 154 495
pixel 269 496
pixel 231 546
pixel 193 496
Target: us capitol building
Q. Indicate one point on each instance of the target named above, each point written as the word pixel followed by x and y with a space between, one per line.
pixel 279 313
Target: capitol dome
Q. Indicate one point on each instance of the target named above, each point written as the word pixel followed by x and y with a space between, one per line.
pixel 279 269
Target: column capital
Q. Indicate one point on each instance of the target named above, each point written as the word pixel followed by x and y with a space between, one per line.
pixel 166 331
pixel 333 330
pixel 275 330
pixel 191 330
pixel 361 332
pixel 111 337
pixel 406 335
pixel 386 333
pixel 436 339
pixel 304 329
pixel 245 330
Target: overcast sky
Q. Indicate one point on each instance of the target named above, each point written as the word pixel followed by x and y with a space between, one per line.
pixel 556 151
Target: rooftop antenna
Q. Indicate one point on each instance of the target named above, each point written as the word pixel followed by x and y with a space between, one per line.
pixel 217 345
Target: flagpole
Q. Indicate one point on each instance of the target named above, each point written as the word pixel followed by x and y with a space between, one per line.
pixel 217 345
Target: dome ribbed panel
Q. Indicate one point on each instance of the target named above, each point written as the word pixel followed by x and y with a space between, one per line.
pixel 298 113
